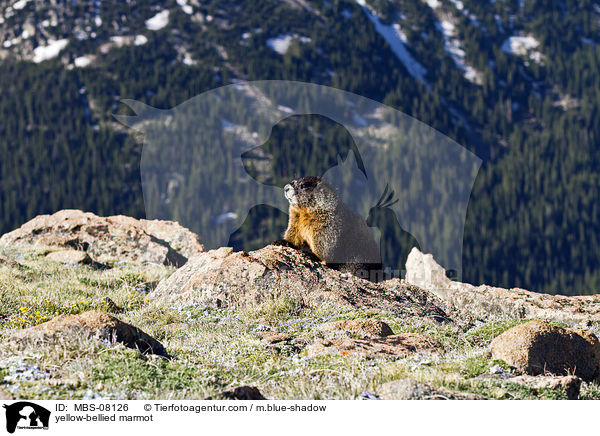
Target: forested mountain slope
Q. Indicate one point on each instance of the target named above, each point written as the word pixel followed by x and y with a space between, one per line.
pixel 516 82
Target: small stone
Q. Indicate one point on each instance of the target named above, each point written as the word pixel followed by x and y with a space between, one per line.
pixel 538 347
pixel 363 327
pixel 277 338
pixel 393 346
pixel 110 305
pixel 72 257
pixel 93 323
pixel 570 384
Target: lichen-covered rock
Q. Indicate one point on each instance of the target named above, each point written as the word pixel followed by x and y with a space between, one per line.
pixel 538 347
pixel 109 239
pixel 406 389
pixel 93 323
pixel 393 346
pixel 223 277
pixel 483 302
pixel 363 327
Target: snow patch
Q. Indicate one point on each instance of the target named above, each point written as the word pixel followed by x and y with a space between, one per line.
pixel 587 41
pixel 519 45
pixel 227 216
pixel 227 125
pixel 119 41
pixel 358 120
pixel 20 4
pixel 453 47
pixel 140 40
pixel 158 21
pixel 433 4
pixel 287 110
pixel 499 23
pixel 188 60
pixel 82 61
pixel 183 4
pixel 43 53
pixel 458 4
pixel 396 38
pixel 281 43
pixel 523 46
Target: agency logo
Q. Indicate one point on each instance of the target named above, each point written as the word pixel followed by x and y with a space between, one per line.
pixel 24 415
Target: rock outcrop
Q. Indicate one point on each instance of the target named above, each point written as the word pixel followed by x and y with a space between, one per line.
pixel 538 347
pixel 223 277
pixel 95 324
pixel 108 239
pixel 485 301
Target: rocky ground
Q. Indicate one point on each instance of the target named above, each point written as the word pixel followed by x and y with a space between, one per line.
pixel 120 308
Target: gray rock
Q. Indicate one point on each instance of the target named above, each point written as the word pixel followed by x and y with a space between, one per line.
pixel 107 240
pixel 538 347
pixel 93 323
pixel 483 302
pixel 223 277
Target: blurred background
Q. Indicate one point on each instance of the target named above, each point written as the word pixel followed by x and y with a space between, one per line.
pixel 515 82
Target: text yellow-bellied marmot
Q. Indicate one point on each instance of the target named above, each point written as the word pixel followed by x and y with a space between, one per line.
pixel 320 222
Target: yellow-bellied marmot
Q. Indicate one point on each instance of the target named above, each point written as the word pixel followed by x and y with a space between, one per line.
pixel 321 222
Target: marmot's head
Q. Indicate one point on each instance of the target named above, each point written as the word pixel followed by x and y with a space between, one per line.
pixel 311 193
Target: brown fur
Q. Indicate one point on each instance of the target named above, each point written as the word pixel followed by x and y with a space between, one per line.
pixel 321 223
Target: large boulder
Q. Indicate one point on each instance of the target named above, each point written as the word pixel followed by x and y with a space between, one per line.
pixel 93 323
pixel 223 277
pixel 538 347
pixel 483 302
pixel 108 239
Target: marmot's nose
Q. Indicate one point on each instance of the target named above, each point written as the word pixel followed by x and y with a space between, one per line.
pixel 288 189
